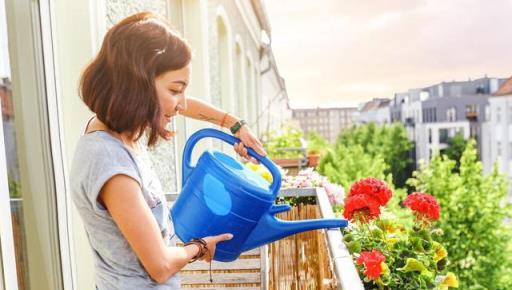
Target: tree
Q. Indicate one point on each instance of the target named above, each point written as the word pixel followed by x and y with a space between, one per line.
pixel 473 218
pixel 390 142
pixel 456 147
pixel 347 164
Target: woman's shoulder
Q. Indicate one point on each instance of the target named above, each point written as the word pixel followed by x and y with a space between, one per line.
pixel 97 142
pixel 101 147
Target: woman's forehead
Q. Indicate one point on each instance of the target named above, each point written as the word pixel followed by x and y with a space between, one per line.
pixel 180 76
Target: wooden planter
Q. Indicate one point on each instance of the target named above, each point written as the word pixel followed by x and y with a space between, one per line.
pixel 288 162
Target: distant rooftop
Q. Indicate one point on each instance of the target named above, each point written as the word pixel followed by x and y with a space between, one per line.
pixel 375 104
pixel 505 88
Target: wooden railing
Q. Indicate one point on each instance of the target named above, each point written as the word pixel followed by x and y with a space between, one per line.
pixel 301 261
pixel 337 270
pixel 343 266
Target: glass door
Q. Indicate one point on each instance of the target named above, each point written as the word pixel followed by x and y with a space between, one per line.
pixel 34 242
pixel 12 237
pixel 8 276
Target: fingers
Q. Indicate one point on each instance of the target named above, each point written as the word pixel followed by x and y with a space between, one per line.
pixel 250 140
pixel 241 150
pixel 212 245
pixel 224 237
pixel 258 147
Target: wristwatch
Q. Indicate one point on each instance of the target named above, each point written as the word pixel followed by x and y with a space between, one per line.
pixel 237 126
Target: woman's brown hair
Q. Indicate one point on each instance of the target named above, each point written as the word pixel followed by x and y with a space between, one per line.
pixel 119 84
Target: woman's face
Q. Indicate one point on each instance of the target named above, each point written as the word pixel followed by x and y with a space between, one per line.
pixel 170 89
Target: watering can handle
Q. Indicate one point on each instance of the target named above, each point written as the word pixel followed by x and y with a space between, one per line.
pixel 191 142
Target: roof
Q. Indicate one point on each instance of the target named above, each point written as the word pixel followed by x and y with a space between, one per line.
pixel 505 89
pixel 375 104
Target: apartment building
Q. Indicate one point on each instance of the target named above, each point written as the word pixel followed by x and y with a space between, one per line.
pixel 328 122
pixel 376 111
pixel 497 131
pixel 434 114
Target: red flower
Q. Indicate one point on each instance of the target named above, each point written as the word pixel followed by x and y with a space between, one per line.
pixel 424 205
pixel 372 263
pixel 373 188
pixel 361 207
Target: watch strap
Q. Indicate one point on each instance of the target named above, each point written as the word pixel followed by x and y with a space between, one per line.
pixel 237 126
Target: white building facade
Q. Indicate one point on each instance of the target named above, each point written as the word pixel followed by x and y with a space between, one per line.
pixel 497 131
pixel 42 241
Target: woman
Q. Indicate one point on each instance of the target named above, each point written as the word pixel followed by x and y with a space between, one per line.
pixel 135 85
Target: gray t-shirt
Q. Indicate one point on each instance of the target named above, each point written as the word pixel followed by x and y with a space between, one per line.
pixel 98 157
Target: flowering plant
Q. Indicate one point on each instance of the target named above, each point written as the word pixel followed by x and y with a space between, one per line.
pixel 393 253
pixel 310 178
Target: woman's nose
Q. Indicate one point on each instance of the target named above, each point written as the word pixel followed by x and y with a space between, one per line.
pixel 182 105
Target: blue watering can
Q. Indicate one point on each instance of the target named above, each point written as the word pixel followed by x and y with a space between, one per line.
pixel 221 195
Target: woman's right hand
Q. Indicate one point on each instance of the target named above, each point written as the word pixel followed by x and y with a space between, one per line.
pixel 211 244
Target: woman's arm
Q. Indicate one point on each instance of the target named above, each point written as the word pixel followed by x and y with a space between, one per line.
pixel 123 198
pixel 201 110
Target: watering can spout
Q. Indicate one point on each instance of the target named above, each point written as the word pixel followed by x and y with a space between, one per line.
pixel 270 228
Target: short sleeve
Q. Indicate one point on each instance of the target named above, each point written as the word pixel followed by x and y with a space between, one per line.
pixel 104 160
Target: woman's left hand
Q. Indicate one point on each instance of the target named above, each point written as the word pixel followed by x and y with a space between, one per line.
pixel 250 140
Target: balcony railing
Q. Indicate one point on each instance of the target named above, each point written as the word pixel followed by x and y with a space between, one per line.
pixel 472 115
pixel 343 265
pixel 236 274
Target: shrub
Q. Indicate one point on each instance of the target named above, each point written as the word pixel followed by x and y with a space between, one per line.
pixel 475 209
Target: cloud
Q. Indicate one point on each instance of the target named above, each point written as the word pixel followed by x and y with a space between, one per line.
pixel 377 48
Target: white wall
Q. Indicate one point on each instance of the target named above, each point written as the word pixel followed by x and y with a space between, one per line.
pixel 424 148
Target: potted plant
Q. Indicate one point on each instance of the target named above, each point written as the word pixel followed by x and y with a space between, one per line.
pixel 313 157
pixel 316 146
pixel 285 147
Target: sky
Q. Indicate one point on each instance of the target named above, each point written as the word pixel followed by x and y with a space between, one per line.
pixel 339 53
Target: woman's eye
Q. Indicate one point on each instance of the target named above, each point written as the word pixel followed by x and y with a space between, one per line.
pixel 175 92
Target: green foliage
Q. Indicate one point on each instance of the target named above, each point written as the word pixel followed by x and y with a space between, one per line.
pixel 388 142
pixel 14 189
pixel 317 144
pixel 456 147
pixel 286 137
pixel 346 164
pixel 414 257
pixel 473 217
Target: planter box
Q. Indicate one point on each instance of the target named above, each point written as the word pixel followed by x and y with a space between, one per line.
pixel 290 162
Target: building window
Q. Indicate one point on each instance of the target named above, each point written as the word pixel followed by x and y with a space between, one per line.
pixel 443 136
pixel 498 149
pixel 451 114
pixel 429 135
pixel 498 114
pixel 473 108
pixel 510 150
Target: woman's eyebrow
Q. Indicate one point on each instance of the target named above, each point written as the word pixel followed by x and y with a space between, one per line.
pixel 180 82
